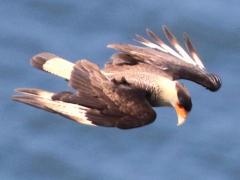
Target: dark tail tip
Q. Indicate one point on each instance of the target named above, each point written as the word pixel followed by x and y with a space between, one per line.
pixel 40 59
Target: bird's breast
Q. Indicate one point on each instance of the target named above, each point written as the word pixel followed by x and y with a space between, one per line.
pixel 159 88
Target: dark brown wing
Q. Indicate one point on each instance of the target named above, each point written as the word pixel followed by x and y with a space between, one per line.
pixel 98 101
pixel 123 106
pixel 55 103
pixel 177 63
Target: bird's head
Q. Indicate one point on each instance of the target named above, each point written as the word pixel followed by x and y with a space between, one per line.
pixel 183 103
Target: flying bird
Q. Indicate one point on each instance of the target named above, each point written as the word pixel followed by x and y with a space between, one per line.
pixel 124 92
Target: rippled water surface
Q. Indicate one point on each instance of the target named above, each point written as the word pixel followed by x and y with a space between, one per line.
pixel 38 145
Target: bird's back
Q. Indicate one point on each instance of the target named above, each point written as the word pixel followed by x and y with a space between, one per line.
pixel 143 76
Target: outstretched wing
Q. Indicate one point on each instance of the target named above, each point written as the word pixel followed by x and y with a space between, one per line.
pixel 98 101
pixel 178 63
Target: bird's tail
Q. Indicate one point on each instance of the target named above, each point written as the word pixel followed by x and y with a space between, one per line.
pixel 43 100
pixel 53 64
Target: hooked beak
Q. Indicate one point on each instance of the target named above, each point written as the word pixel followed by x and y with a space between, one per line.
pixel 182 115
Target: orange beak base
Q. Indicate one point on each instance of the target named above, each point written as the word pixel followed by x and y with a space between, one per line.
pixel 182 114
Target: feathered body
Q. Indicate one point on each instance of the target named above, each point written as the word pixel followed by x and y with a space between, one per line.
pixel 123 93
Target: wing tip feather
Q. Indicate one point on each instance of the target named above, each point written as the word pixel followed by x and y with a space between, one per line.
pixel 216 82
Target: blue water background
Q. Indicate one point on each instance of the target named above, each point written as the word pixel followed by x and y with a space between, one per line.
pixel 35 144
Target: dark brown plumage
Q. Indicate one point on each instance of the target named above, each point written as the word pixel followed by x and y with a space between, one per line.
pixel 132 82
